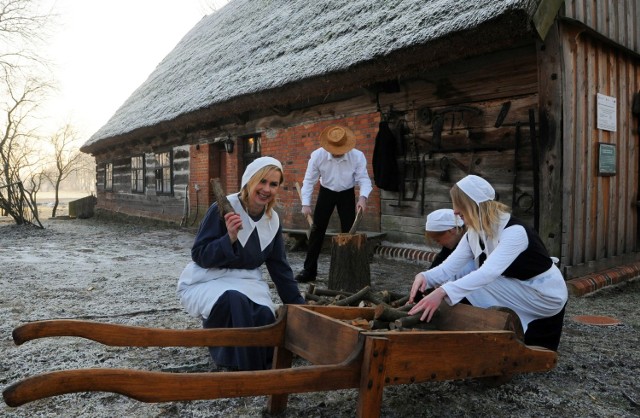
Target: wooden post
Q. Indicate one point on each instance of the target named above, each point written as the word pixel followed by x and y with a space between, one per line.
pixel 349 270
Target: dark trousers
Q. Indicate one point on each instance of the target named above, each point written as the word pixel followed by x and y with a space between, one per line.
pixel 546 332
pixel 328 200
pixel 234 310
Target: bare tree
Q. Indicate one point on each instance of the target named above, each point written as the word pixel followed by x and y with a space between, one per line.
pixel 22 88
pixel 18 155
pixel 67 160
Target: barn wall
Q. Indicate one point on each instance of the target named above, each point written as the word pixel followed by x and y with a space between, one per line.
pixel 122 200
pixel 447 126
pixel 600 217
pixel 617 20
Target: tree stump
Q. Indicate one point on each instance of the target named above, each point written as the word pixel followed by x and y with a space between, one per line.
pixel 349 269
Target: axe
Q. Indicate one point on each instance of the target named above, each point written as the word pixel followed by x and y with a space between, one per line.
pixel 309 218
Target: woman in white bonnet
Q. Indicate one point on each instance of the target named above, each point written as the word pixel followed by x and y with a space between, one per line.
pixel 513 267
pixel 445 228
pixel 223 285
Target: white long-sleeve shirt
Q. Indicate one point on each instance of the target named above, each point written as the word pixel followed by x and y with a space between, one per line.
pixel 336 174
pixel 502 251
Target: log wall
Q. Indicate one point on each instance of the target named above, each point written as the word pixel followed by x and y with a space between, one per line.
pixel 600 216
pixel 446 124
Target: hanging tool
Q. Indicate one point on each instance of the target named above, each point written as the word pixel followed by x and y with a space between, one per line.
pixel 515 165
pixel 503 114
pixel 423 166
pixel 309 217
pixel 535 150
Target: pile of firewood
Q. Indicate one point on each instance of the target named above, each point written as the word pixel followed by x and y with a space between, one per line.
pixel 391 309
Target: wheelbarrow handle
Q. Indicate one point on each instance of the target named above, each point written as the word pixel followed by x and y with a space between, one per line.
pixel 168 387
pixel 136 336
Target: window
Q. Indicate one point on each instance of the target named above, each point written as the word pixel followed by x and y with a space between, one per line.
pixel 251 148
pixel 164 173
pixel 137 174
pixel 108 176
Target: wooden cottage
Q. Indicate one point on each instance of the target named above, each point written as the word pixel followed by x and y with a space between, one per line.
pixel 540 97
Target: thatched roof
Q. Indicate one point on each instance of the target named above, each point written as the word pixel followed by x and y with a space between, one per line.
pixel 253 46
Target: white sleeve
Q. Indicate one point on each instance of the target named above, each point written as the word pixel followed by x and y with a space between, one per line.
pixel 452 267
pixel 513 241
pixel 361 176
pixel 311 177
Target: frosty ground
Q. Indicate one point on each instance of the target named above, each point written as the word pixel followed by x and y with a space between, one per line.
pixel 126 273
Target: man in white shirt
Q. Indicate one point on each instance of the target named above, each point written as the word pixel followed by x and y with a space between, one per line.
pixel 339 167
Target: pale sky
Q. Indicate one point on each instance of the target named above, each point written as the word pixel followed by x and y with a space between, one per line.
pixel 104 49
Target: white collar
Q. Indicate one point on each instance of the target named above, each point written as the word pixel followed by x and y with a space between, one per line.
pixel 474 237
pixel 267 228
pixel 331 157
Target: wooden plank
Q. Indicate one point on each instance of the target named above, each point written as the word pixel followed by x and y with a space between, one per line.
pixel 447 355
pixel 372 377
pixel 550 104
pixel 307 334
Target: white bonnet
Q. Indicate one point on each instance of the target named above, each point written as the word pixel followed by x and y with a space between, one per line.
pixel 442 220
pixel 477 188
pixel 256 165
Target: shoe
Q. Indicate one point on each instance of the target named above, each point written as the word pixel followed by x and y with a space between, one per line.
pixel 305 277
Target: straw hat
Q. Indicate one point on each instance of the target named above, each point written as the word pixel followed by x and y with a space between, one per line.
pixel 337 139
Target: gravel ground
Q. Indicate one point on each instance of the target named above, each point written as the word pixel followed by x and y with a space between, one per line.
pixel 126 273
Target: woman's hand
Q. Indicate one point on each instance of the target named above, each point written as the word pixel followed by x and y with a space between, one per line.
pixel 234 224
pixel 429 304
pixel 419 285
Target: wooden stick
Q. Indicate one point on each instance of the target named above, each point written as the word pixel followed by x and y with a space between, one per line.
pixel 356 297
pixel 329 292
pixel 407 321
pixel 386 313
pixel 221 198
pixel 400 302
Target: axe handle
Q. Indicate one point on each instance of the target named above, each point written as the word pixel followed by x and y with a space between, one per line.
pixel 309 217
pixel 356 222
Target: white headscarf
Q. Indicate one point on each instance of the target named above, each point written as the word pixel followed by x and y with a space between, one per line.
pixel 256 165
pixel 479 190
pixel 442 220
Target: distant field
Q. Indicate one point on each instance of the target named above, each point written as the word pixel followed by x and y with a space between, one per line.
pixel 45 202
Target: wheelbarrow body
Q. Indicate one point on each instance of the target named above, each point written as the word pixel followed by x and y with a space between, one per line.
pixel 468 344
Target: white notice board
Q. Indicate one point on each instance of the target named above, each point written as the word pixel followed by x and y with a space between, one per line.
pixel 606 113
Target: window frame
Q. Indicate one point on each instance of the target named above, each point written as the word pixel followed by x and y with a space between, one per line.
pixel 108 177
pixel 251 148
pixel 164 173
pixel 138 174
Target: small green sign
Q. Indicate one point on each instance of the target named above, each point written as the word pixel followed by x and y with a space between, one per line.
pixel 606 159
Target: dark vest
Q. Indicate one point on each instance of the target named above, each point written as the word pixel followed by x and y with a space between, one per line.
pixel 532 261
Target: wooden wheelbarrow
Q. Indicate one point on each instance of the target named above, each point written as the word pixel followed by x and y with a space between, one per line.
pixel 468 343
